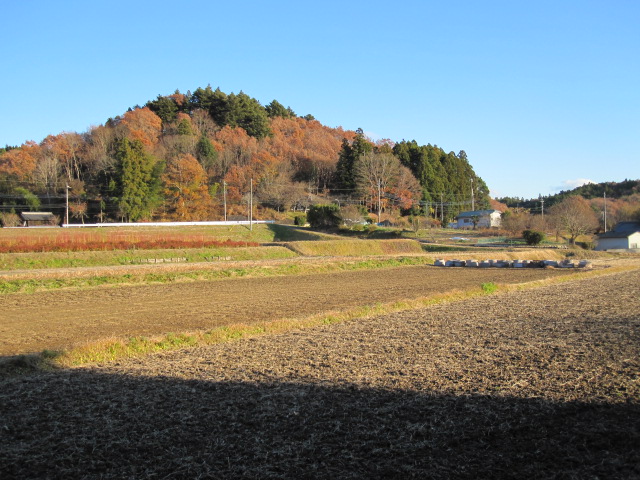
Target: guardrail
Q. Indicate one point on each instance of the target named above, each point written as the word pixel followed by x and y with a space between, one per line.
pixel 166 224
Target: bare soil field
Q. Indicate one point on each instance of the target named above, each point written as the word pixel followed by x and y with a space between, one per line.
pixel 540 383
pixel 57 319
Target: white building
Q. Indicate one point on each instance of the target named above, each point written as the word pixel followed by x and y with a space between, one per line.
pixel 482 219
pixel 624 236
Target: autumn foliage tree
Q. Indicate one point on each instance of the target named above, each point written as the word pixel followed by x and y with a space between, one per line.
pixel 293 161
pixel 143 125
pixel 185 187
pixel 19 163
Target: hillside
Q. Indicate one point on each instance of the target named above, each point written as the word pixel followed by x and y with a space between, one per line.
pixel 201 155
pixel 614 190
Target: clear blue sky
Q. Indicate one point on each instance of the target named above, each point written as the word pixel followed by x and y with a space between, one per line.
pixel 539 94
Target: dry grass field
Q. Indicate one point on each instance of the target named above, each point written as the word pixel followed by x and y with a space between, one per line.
pixel 538 383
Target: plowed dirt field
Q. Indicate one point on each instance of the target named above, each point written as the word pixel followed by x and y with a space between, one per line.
pixel 55 319
pixel 540 383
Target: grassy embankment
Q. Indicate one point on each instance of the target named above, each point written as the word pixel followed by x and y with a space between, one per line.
pixel 221 262
pixel 61 248
pixel 291 255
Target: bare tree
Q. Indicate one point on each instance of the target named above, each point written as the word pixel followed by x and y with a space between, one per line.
pixel 575 216
pixel 376 174
pixel 516 220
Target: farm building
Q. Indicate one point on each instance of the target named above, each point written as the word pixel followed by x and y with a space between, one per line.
pixel 482 219
pixel 31 219
pixel 624 236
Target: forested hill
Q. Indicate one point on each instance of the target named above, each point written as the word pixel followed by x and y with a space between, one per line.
pixel 617 190
pixel 184 156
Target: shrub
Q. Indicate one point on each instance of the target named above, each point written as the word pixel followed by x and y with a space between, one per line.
pixel 532 237
pixel 586 245
pixel 353 215
pixel 300 220
pixel 489 287
pixel 324 216
pixel 9 220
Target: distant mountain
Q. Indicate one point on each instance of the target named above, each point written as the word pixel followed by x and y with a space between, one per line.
pixel 589 191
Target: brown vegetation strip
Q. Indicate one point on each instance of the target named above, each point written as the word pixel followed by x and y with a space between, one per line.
pixel 528 384
pixel 58 319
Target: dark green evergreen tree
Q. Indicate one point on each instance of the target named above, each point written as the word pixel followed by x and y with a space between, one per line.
pixel 246 112
pixel 202 98
pixel 184 127
pixel 349 153
pixel 219 107
pixel 206 154
pixel 276 109
pixel 165 108
pixel 137 184
pixel 444 177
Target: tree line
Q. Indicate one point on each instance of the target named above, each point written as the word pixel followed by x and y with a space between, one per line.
pixel 617 190
pixel 187 156
pixel 573 216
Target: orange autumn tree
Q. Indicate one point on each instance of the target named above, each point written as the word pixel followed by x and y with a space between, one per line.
pixel 142 124
pixel 238 180
pixel 185 189
pixel 237 148
pixel 309 147
pixel 19 163
pixel 407 191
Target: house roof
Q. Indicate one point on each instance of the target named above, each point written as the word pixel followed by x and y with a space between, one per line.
pixel 616 234
pixel 622 230
pixel 37 216
pixel 627 227
pixel 476 213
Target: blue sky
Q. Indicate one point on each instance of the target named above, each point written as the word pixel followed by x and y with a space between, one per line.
pixel 541 95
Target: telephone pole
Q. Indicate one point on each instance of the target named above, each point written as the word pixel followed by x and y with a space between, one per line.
pixel 473 208
pixel 224 195
pixel 66 214
pixel 251 207
pixel 379 201
pixel 605 212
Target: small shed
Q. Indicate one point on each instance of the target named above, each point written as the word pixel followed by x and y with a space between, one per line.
pixel 624 236
pixel 483 219
pixel 30 219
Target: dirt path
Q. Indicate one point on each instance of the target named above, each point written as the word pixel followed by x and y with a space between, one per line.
pixel 55 319
pixel 530 384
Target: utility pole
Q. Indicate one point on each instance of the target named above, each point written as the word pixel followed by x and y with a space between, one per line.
pixel 542 203
pixel 379 201
pixel 224 195
pixel 441 210
pixel 605 212
pixel 473 208
pixel 251 207
pixel 66 215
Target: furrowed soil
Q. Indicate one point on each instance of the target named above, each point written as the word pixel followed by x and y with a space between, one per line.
pixel 59 319
pixel 539 383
